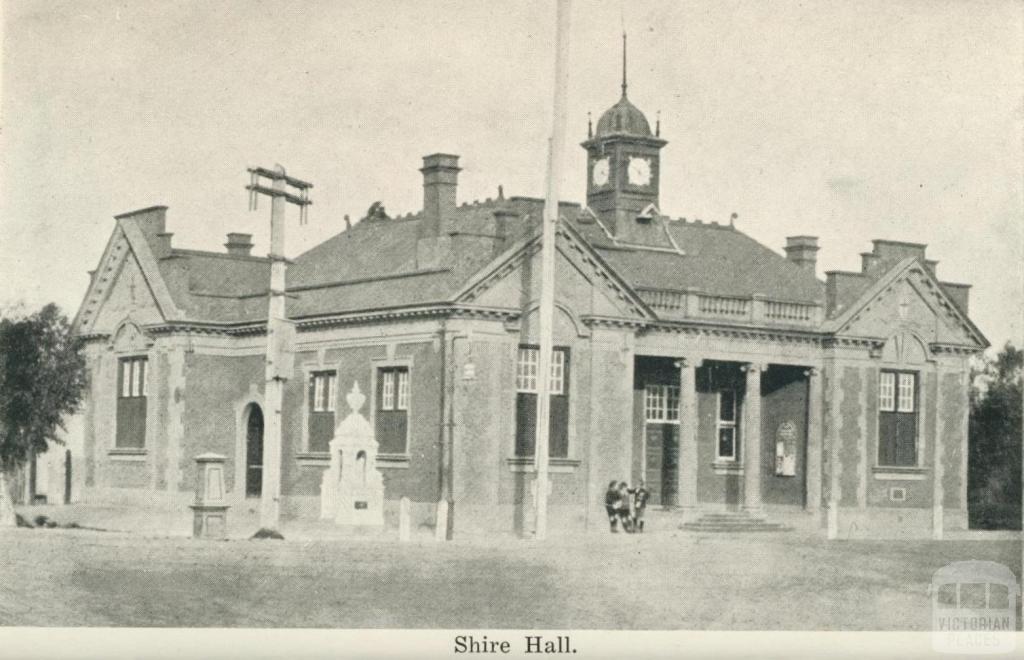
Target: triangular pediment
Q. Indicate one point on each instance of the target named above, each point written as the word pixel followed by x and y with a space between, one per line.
pixel 584 284
pixel 908 301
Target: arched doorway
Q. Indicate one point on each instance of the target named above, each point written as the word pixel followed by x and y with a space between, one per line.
pixel 254 452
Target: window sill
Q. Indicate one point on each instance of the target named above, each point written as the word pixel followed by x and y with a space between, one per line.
pixel 555 465
pixel 322 459
pixel 400 461
pixel 127 454
pixel 911 473
pixel 313 458
pixel 727 467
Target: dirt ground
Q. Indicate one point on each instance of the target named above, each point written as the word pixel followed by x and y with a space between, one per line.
pixel 667 581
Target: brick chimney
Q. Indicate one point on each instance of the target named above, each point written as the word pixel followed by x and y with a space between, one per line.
pixel 803 251
pixel 153 223
pixel 239 245
pixel 440 183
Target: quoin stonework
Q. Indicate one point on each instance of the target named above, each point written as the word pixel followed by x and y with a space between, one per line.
pixel 742 387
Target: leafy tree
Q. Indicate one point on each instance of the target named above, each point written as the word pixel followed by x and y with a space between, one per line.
pixel 996 437
pixel 42 380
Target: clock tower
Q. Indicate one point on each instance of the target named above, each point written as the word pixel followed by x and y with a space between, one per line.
pixel 623 166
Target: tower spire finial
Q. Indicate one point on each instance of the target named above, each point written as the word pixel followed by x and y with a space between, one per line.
pixel 623 63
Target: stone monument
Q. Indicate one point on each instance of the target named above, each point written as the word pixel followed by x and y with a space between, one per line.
pixel 352 488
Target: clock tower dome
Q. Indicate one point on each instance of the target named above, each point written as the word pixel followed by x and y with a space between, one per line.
pixel 623 165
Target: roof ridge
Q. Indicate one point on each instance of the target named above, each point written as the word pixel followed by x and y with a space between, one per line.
pixel 219 255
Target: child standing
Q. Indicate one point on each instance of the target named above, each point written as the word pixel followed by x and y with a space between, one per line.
pixel 640 497
pixel 612 503
pixel 625 502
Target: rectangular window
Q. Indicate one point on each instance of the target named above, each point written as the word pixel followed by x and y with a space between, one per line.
pixel 527 371
pixel 392 413
pixel 661 403
pixel 905 401
pixel 897 418
pixel 322 394
pixel 387 390
pixel 887 391
pixel 403 390
pixel 725 448
pixel 131 404
pixel 528 365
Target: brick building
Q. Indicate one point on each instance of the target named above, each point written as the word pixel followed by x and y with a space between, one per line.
pixel 724 373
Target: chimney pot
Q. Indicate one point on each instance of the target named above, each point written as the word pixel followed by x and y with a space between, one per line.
pixel 239 244
pixel 803 251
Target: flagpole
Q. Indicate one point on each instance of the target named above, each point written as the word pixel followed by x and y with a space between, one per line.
pixel 556 145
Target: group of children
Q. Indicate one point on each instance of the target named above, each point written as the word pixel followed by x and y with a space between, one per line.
pixel 626 505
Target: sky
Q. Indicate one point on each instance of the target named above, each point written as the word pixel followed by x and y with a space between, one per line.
pixel 848 121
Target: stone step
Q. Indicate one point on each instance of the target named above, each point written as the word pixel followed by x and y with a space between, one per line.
pixel 734 528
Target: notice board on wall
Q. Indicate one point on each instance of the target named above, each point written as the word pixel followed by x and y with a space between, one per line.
pixel 785 449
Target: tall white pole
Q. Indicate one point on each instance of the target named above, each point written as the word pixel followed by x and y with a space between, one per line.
pixel 270 501
pixel 556 145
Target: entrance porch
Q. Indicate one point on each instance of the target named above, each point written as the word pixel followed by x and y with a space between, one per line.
pixel 727 436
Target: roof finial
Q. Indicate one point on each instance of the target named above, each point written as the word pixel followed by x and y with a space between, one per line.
pixel 623 64
pixel 657 125
pixel 590 126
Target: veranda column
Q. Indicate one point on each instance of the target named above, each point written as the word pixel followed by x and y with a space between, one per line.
pixel 687 470
pixel 751 446
pixel 814 440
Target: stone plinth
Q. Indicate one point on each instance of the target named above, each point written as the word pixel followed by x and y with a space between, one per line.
pixel 210 511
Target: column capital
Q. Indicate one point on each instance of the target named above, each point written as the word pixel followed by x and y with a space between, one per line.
pixel 688 361
pixel 812 372
pixel 753 367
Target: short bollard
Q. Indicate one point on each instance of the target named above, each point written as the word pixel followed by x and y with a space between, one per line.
pixel 403 519
pixel 210 511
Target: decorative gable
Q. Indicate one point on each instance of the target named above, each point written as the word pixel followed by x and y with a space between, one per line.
pixel 909 302
pixel 119 289
pixel 583 283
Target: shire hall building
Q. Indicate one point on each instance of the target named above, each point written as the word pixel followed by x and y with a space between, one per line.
pixel 727 375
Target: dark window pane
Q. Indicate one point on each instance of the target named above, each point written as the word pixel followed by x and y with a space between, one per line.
pixel 558 438
pixel 972 596
pixel 392 426
pixel 526 423
pixel 321 430
pixel 998 597
pixel 946 596
pixel 727 442
pixel 131 423
pixel 727 410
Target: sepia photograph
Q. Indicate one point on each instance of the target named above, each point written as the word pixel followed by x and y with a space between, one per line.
pixel 550 328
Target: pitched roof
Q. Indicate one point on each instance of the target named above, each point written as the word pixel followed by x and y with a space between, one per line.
pixel 372 265
pixel 715 259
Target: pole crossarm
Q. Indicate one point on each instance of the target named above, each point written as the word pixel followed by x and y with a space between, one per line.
pixel 270 192
pixel 273 176
pixel 278 190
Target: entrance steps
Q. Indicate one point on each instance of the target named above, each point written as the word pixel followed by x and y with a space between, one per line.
pixel 732 521
pixel 711 521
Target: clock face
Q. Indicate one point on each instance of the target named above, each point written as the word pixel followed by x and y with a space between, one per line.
pixel 600 172
pixel 639 171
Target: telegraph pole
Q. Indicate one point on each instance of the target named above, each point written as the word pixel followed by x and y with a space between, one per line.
pixel 280 331
pixel 556 145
